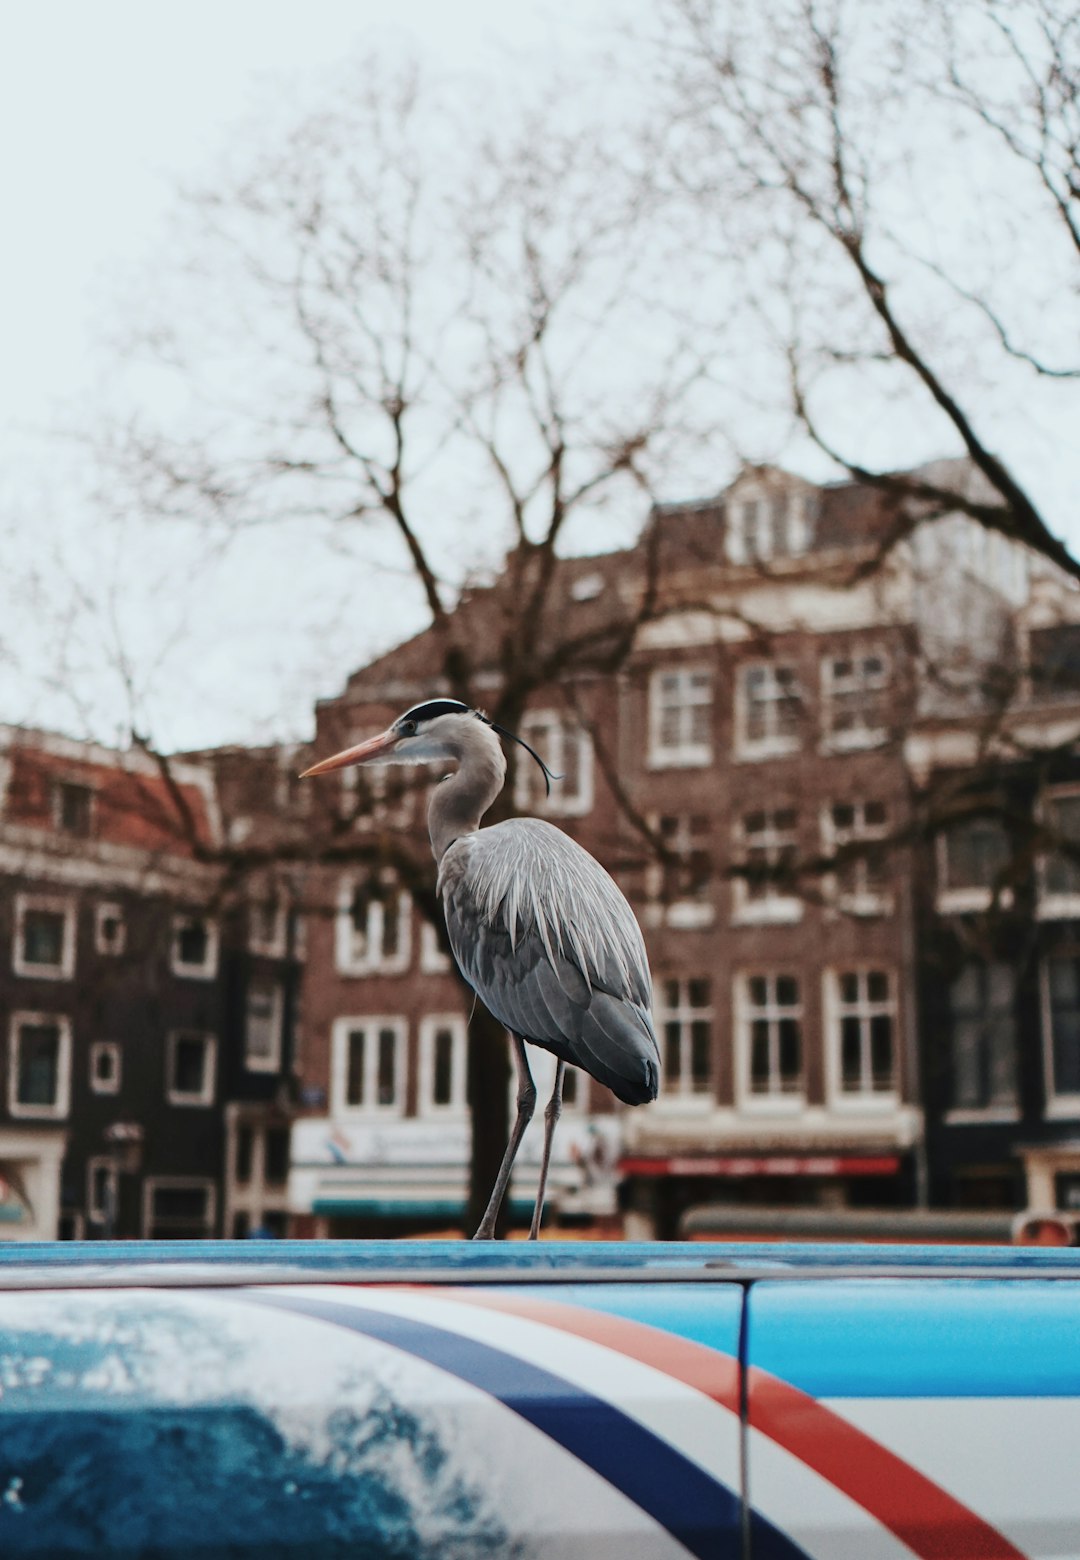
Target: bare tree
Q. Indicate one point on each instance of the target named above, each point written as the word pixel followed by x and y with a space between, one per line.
pixel 446 339
pixel 901 182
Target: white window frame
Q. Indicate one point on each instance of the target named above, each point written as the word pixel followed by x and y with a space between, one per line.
pixel 773 908
pixel 341 1029
pixel 109 911
pixel 1058 1105
pixel 60 1109
pixel 433 961
pixel 865 901
pixel 768 1102
pixel 271 1063
pixel 94 1213
pixel 179 1183
pixel 176 1096
pixel 775 743
pixel 834 1009
pixel 680 1092
pixel 762 547
pixel 968 1114
pixel 106 1086
pixel 683 914
pixel 1054 907
pixel 371 962
pixel 458 1102
pixel 859 736
pixel 209 967
pixel 551 733
pixel 53 904
pixel 684 753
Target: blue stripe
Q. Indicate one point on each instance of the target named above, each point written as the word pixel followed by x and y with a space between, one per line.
pixel 696 1509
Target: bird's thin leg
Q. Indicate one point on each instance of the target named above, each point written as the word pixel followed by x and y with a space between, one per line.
pixel 552 1112
pixel 526 1104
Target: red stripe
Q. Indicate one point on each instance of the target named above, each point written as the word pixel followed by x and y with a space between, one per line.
pixel 933 1524
pixel 919 1512
pixel 706 1370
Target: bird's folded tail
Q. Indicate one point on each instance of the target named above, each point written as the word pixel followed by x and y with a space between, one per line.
pixel 619 1048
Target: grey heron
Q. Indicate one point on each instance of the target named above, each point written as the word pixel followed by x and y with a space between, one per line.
pixel 539 930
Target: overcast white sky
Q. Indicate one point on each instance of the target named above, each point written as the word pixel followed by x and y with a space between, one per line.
pixel 105 109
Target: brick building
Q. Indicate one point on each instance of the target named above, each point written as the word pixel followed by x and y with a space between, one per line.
pixel 143 1000
pixel 745 775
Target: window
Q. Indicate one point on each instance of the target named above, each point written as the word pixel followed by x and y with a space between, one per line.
pixel 768 841
pixel 767 524
pixel 433 961
pixel 683 883
pixel 983 1038
pixel 1061 1029
pixel 105 1067
pixel 1059 868
pixel 373 925
pixel 379 797
pixel 102 1188
pixel 263 1024
pixel 244 1153
pixel 684 1019
pixel 770 1026
pixel 175 1209
pixel 768 711
pixel 190 1063
pixel 110 930
pixel 567 751
pixel 267 925
pixel 194 946
pixel 44 937
pixel 74 809
pixel 973 854
pixel 442 1064
pixel 855 689
pixel 680 718
pixel 276 1156
pixel 860 875
pixel 367 1066
pixel 39 1075
pixel 862 1015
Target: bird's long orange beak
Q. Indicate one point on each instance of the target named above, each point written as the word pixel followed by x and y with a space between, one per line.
pixel 362 753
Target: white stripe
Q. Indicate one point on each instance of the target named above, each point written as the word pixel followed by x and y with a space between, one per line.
pixel 705 1432
pixel 1014 1461
pixel 813 1512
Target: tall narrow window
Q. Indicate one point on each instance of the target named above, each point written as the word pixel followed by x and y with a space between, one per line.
pixel 1061 1006
pixel 685 1021
pixel 680 717
pixel 1059 874
pixel 768 711
pixel 190 1065
pixel 772 1036
pixel 567 751
pixel 442 1064
pixel 679 888
pixel 44 937
pixel 864 1023
pixel 264 1022
pixel 367 1066
pixel 856 695
pixel 39 1082
pixel 373 925
pixel 854 835
pixel 982 1002
pixel 973 856
pixel 74 809
pixel 765 889
pixel 194 946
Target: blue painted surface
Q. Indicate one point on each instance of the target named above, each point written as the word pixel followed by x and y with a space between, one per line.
pixel 904 1338
pixel 711 1316
pixel 722 1258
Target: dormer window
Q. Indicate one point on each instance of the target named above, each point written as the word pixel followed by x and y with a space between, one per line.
pixel 74 809
pixel 767 522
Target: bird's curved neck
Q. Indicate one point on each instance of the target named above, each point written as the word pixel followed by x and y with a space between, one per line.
pixel 460 801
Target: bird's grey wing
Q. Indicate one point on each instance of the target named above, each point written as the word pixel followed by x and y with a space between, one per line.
pixel 541 993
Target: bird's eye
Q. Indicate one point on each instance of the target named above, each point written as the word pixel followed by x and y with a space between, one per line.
pixel 408 728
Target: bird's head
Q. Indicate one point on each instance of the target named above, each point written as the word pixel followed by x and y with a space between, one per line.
pixel 428 733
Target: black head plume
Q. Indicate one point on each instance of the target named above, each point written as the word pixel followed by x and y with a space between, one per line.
pixel 433 708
